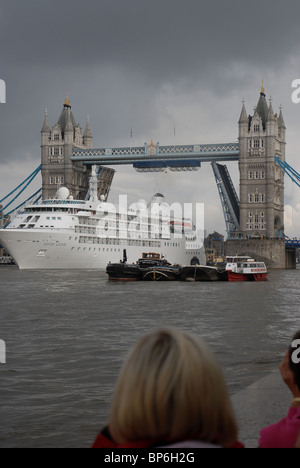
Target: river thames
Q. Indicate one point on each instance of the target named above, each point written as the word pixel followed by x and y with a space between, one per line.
pixel 67 333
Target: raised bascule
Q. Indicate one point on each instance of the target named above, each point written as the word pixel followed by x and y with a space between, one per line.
pixel 254 220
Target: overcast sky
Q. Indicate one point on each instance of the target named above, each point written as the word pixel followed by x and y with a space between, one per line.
pixel 148 65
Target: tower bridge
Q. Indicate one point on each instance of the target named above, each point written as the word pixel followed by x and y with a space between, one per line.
pixel 254 219
pixel 153 156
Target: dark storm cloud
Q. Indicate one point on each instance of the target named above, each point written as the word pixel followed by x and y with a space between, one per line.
pixel 144 64
pixel 158 38
pixel 48 47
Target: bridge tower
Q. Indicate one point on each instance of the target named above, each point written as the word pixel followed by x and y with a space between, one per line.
pixel 57 145
pixel 261 137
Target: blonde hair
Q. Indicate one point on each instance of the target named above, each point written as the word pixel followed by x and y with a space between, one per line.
pixel 171 388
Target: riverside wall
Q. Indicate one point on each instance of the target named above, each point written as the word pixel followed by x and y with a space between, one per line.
pixel 271 251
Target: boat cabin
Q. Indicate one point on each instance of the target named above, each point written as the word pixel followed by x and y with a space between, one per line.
pixel 245 269
pixel 151 256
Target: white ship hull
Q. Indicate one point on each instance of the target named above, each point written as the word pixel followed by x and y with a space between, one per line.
pixel 40 250
pixel 75 234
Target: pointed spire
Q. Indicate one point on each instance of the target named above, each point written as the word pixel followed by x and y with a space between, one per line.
pixel 280 119
pixel 87 136
pixel 271 115
pixel 69 124
pixel 263 88
pixel 262 107
pixel 46 127
pixel 67 102
pixel 87 132
pixel 243 116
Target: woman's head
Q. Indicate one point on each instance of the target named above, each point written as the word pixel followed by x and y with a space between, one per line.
pixel 294 357
pixel 171 388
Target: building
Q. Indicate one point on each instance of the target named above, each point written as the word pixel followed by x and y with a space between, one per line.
pixel 261 137
pixel 58 170
pixel 214 245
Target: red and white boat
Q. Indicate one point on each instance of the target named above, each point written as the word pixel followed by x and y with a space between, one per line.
pixel 245 269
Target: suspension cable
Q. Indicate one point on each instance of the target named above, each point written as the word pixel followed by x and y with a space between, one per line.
pixel 22 204
pixel 34 173
pixel 28 180
pixel 293 175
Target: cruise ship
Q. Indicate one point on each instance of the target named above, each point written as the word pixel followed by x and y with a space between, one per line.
pixel 64 233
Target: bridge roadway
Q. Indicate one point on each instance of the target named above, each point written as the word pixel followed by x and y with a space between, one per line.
pixel 174 155
pixel 293 243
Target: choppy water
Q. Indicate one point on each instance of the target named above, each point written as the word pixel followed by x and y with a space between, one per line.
pixel 67 333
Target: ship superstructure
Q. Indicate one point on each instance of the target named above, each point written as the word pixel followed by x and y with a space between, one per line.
pixel 64 233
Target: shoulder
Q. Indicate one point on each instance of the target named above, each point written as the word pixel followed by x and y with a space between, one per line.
pixel 104 440
pixel 283 434
pixel 191 444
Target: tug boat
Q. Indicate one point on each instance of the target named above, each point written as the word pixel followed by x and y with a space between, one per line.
pixel 154 267
pixel 152 259
pixel 124 271
pixel 151 267
pixel 240 268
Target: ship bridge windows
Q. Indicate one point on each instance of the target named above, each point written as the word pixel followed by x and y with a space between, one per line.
pixel 47 210
pixel 84 239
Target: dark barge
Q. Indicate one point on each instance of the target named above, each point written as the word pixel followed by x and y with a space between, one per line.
pixel 151 267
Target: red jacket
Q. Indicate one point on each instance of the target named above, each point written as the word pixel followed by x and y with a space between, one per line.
pixel 104 440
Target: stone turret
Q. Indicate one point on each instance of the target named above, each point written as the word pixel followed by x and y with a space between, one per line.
pixel 57 146
pixel 261 137
pixel 46 130
pixel 87 137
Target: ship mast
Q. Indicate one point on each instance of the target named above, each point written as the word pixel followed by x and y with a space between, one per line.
pixel 92 194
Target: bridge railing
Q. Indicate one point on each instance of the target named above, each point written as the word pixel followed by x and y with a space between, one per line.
pixel 293 243
pixel 152 152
